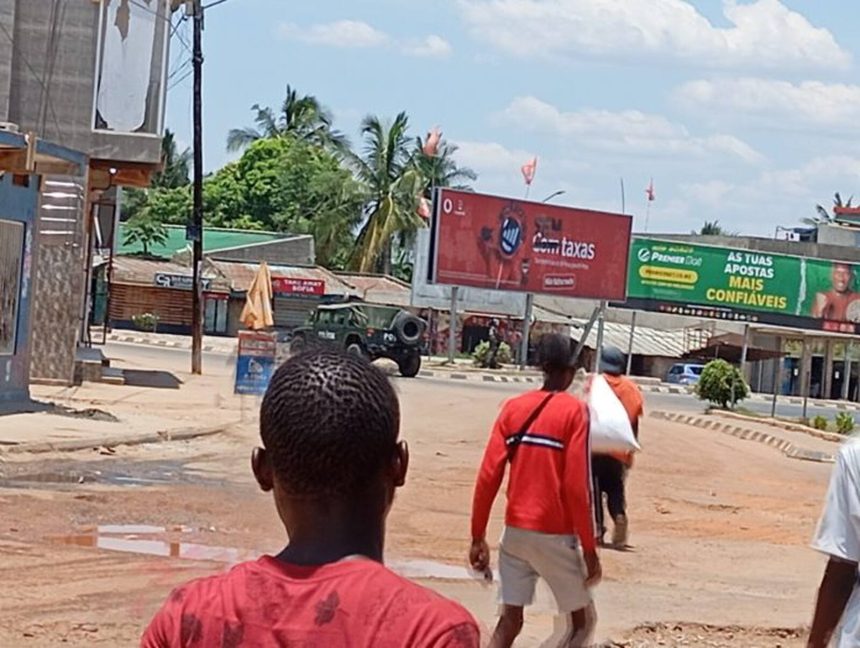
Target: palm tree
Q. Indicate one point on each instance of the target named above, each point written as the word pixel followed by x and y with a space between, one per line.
pixel 302 117
pixel 441 170
pixel 174 172
pixel 713 228
pixel 393 187
pixel 824 217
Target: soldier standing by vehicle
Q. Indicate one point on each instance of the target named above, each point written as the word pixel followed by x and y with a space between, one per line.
pixel 495 341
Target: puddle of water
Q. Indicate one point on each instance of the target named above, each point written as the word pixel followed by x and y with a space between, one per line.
pixel 131 538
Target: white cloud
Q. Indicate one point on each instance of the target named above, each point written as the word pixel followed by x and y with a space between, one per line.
pixel 432 46
pixel 486 157
pixel 763 33
pixel 357 34
pixel 341 33
pixel 812 103
pixel 628 131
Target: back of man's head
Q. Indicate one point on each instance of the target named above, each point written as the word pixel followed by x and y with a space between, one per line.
pixel 612 360
pixel 554 352
pixel 329 423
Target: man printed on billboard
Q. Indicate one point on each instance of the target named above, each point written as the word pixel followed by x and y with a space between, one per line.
pixel 841 303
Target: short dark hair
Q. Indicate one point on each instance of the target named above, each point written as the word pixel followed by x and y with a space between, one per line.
pixel 329 423
pixel 554 352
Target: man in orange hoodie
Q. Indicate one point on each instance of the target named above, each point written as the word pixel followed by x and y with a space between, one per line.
pixel 610 470
pixel 549 523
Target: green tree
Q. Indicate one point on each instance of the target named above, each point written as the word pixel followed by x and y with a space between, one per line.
pixel 289 185
pixel 393 185
pixel 713 228
pixel 167 188
pixel 824 217
pixel 175 165
pixel 144 231
pixel 721 383
pixel 302 117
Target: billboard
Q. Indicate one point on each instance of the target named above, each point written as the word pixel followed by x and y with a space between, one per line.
pixel 744 285
pixel 498 243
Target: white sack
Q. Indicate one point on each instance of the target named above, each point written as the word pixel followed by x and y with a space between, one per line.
pixel 610 426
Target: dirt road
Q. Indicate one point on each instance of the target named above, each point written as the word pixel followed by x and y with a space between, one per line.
pixel 720 526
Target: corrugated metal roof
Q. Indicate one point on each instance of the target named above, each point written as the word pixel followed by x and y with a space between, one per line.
pixel 379 289
pixel 142 271
pixel 646 341
pixel 240 274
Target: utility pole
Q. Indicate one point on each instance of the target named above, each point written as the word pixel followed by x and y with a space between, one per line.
pixel 195 230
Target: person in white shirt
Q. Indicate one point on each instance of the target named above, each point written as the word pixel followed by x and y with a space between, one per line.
pixel 839 538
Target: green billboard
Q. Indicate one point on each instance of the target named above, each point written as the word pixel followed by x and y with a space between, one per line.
pixel 743 285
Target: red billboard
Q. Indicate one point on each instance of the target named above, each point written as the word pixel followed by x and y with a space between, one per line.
pixel 293 286
pixel 505 244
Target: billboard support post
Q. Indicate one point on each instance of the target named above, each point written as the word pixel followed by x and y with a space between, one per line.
pixel 598 351
pixel 806 375
pixel 777 374
pixel 585 333
pixel 846 370
pixel 630 344
pixel 452 325
pixel 527 325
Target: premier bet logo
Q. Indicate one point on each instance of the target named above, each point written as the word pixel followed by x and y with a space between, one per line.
pixel 644 255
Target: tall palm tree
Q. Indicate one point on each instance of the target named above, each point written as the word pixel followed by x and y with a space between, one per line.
pixel 824 217
pixel 393 186
pixel 300 116
pixel 441 170
pixel 176 165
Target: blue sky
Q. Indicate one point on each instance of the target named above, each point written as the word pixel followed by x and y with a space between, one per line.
pixel 746 112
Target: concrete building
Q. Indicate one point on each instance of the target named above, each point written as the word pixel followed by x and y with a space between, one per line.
pixel 22 160
pixel 90 76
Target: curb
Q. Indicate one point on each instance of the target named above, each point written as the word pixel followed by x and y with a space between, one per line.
pixel 791 427
pixel 72 445
pixel 785 447
pixel 128 339
pixel 478 377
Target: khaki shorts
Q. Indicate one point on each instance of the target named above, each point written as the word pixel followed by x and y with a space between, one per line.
pixel 526 555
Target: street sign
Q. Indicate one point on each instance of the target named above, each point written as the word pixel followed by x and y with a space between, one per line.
pixel 498 243
pixel 294 286
pixel 179 282
pixel 255 362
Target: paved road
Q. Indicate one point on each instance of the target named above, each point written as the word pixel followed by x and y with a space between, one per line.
pixel 222 364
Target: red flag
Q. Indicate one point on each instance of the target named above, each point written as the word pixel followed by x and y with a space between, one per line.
pixel 528 170
pixel 650 191
pixel 431 144
pixel 424 208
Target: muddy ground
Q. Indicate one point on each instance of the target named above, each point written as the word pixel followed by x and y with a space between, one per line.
pixel 720 528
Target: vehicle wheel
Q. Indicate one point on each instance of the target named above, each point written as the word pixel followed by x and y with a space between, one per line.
pixel 410 366
pixel 298 344
pixel 355 349
pixel 408 328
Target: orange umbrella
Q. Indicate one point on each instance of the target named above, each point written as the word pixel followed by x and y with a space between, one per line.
pixel 257 313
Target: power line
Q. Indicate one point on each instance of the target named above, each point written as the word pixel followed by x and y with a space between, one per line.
pixel 180 80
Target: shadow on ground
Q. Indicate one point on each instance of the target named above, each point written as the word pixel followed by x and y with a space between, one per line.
pixel 154 379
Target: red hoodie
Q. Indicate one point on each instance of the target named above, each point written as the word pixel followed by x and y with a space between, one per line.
pixel 549 489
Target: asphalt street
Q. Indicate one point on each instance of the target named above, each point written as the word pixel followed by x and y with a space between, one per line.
pixel 127 355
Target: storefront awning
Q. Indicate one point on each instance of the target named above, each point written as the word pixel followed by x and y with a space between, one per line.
pixel 27 154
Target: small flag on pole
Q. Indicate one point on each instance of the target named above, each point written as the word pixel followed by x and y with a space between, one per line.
pixel 528 171
pixel 431 144
pixel 650 191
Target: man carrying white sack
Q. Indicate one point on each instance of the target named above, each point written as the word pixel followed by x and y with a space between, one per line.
pixel 610 469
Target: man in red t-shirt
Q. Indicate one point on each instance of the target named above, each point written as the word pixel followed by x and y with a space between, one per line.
pixel 329 424
pixel 549 525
